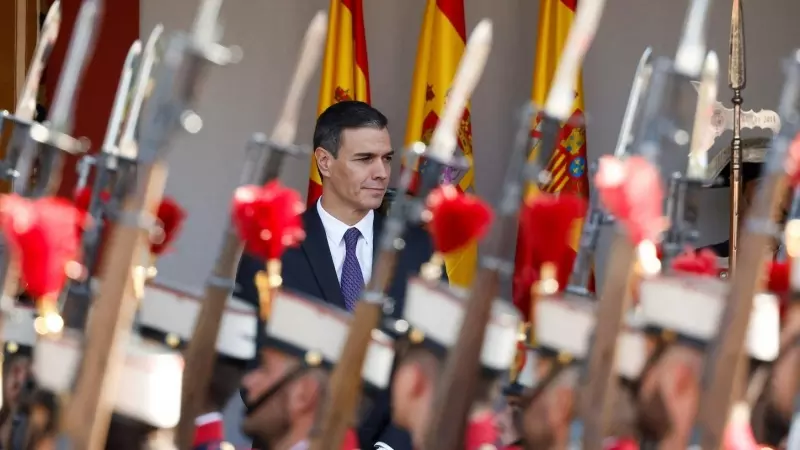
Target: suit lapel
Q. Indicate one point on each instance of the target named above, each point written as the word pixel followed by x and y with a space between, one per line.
pixel 319 257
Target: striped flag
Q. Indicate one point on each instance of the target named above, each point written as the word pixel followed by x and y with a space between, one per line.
pixel 568 164
pixel 441 43
pixel 345 69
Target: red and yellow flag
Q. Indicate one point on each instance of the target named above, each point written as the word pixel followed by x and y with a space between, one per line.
pixel 568 164
pixel 441 43
pixel 345 69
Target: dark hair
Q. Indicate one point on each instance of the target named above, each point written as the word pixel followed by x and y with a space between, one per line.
pixel 342 116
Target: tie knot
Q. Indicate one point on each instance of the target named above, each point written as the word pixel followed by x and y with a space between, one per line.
pixel 351 238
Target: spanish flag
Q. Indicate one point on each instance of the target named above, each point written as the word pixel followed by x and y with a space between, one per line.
pixel 441 43
pixel 568 164
pixel 345 69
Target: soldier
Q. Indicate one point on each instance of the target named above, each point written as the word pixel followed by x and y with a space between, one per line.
pixel 302 340
pixel 19 337
pixel 429 325
pixel 681 316
pixel 169 317
pixel 147 403
pixel 548 404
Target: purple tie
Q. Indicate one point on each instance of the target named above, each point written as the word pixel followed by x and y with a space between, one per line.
pixel 352 278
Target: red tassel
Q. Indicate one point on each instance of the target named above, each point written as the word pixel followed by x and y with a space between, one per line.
pixel 792 165
pixel 456 218
pixel 268 218
pixel 631 190
pixel 44 236
pixel 703 262
pixel 171 217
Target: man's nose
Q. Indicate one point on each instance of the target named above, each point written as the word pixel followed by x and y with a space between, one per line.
pixel 381 170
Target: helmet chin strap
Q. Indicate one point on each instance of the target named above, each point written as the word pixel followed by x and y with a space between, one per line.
pixel 251 407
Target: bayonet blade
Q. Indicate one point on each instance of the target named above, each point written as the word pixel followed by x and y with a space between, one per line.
pixel 81 47
pixel 736 63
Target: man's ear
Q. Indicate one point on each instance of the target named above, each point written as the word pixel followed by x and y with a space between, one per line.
pixel 324 160
pixel 410 380
pixel 304 394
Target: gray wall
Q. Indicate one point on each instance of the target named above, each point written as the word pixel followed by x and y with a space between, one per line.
pixel 246 98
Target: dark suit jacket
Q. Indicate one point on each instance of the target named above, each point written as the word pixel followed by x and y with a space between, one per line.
pixel 309 269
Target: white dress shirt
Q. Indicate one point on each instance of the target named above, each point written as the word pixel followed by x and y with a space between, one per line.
pixel 334 231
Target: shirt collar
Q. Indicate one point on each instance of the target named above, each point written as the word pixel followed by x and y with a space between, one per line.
pixel 335 228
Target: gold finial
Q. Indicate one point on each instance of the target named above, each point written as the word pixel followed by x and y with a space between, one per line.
pixel 266 282
pixel 564 358
pixel 313 358
pixel 49 320
pixel 668 336
pixel 172 340
pixel 416 336
pixel 548 283
pixel 432 270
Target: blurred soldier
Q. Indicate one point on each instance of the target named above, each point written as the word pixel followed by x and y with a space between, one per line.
pixel 20 338
pixel 430 323
pixel 147 404
pixel 302 341
pixel 169 317
pixel 681 314
pixel 550 378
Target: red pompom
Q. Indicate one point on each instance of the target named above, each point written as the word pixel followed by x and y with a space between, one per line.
pixel 631 191
pixel 268 218
pixel 703 262
pixel 457 219
pixel 171 217
pixel 793 162
pixel 43 234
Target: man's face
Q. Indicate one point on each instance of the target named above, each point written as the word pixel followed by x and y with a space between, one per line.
pixel 669 393
pixel 412 395
pixel 271 418
pixel 16 376
pixel 359 176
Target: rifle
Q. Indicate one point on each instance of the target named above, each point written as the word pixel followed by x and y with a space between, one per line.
pixel 659 126
pixel 719 373
pixel 339 410
pixel 45 143
pixel 180 74
pixel 596 215
pixel 26 104
pixel 201 351
pixel 455 390
pixel 114 169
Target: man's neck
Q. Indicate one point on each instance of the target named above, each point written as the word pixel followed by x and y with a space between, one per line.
pixel 344 214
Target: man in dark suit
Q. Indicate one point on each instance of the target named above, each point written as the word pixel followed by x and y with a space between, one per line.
pixel 353 152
